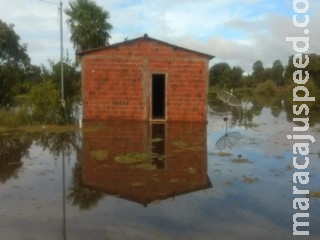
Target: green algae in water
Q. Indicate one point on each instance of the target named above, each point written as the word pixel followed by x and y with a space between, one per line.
pixel 192 170
pixel 133 157
pixel 156 140
pixel 224 154
pixel 138 184
pixel 241 160
pixel 145 166
pixel 182 146
pixel 248 179
pixel 314 194
pixel 99 155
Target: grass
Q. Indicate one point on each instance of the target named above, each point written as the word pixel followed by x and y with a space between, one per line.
pixel 40 128
pixel 14 117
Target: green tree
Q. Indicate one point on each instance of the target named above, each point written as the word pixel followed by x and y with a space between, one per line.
pixel 313 68
pixel 88 24
pixel 72 78
pixel 11 51
pixel 216 73
pixel 277 72
pixel 236 76
pixel 45 100
pixel 13 62
pixel 258 72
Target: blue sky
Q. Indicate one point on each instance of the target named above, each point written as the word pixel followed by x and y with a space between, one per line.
pixel 238 32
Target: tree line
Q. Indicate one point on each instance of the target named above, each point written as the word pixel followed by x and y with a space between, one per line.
pixel 39 86
pixel 222 75
pixel 90 28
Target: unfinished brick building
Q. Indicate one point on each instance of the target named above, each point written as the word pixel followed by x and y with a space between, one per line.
pixel 144 79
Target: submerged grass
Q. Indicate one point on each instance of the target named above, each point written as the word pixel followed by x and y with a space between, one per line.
pixel 241 160
pixel 138 160
pixel 250 180
pixel 99 155
pixel 314 194
pixel 133 157
pixel 40 128
pixel 224 154
pixel 182 146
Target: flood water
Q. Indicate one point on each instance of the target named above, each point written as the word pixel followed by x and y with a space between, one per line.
pixel 228 179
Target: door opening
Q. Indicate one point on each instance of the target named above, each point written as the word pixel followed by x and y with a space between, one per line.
pixel 158 92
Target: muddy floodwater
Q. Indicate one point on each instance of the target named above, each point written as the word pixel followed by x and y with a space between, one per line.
pixel 229 179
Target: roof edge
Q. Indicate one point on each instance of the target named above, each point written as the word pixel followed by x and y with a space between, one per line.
pixel 145 36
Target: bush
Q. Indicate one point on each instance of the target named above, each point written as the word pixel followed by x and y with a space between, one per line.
pixel 45 103
pixel 268 88
pixel 15 117
pixel 313 92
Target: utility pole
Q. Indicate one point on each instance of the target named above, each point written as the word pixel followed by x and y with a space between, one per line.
pixel 64 231
pixel 60 8
pixel 61 56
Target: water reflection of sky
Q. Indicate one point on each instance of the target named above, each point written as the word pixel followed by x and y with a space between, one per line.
pixel 199 192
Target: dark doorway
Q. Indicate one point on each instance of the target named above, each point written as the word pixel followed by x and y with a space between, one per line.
pixel 158 92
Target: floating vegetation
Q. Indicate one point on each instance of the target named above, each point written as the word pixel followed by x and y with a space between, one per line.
pixel 277 172
pixel 224 154
pixel 99 155
pixel 241 160
pixel 182 146
pixel 138 184
pixel 314 194
pixel 156 140
pixel 138 160
pixel 289 167
pixel 251 125
pixel 145 166
pixel 228 183
pixel 192 170
pixel 248 179
pixel 157 201
pixel 133 157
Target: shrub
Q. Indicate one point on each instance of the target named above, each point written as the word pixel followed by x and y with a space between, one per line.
pixel 45 103
pixel 268 88
pixel 313 92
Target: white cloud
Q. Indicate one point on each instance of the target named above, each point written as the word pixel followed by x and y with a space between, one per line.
pixel 238 32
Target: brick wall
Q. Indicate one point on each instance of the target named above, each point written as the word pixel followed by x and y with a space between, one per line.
pixel 116 81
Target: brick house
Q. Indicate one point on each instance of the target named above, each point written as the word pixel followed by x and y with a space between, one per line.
pixel 144 79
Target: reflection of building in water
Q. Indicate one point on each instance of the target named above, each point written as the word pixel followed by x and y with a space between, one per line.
pixel 145 162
